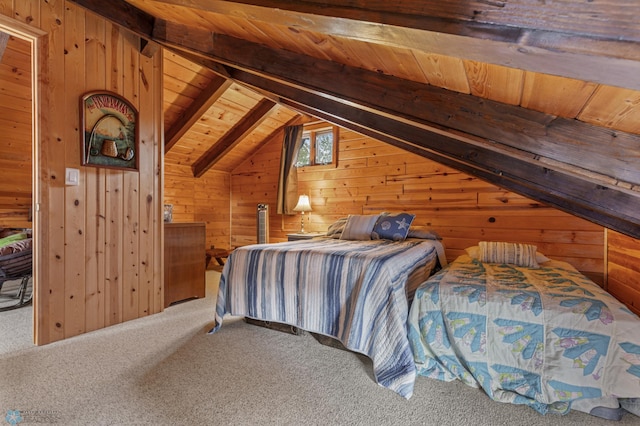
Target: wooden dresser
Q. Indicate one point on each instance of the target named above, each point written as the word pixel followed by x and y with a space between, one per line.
pixel 184 265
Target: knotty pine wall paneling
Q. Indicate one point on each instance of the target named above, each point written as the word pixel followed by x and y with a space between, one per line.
pixel 212 196
pixel 75 199
pixel 204 199
pixel 95 317
pixel 15 127
pixel 256 182
pixel 99 243
pixel 623 269
pixel 373 177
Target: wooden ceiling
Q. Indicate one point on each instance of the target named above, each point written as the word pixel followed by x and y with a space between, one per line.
pixel 539 98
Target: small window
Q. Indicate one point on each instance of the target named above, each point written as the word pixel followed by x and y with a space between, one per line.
pixel 319 146
pixel 324 147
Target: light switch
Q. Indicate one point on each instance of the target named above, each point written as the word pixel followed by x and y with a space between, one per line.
pixel 72 177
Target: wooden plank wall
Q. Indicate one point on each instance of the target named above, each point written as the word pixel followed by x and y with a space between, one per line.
pixel 205 199
pixel 15 127
pixel 100 243
pixel 372 177
pixel 256 182
pixel 623 269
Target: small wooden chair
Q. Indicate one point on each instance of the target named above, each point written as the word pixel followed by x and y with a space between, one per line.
pixel 16 266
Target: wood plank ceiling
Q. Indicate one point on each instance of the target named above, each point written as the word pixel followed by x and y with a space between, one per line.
pixel 541 99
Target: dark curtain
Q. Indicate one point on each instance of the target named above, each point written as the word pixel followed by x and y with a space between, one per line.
pixel 288 180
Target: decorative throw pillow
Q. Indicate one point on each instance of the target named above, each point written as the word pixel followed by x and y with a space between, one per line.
pixel 510 253
pixel 392 227
pixel 359 227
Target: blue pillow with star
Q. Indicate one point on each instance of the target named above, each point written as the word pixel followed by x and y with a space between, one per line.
pixel 392 227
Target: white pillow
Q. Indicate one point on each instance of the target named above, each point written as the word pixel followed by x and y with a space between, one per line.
pixel 359 227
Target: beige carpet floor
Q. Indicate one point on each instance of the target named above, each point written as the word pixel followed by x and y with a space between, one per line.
pixel 166 370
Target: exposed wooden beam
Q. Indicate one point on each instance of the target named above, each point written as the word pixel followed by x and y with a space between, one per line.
pixel 195 110
pixel 216 67
pixel 4 40
pixel 233 136
pixel 278 133
pixel 614 19
pixel 148 48
pixel 603 201
pixel 612 208
pixel 121 13
pixel 598 39
pixel 597 153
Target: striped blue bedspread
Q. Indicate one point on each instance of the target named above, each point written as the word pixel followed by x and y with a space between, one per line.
pixel 354 291
pixel 542 337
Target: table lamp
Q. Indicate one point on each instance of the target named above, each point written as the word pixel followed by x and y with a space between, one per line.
pixel 302 206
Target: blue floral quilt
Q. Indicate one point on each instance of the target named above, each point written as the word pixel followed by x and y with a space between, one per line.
pixel 540 337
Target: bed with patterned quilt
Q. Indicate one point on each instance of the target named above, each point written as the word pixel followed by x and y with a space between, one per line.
pixel 355 291
pixel 538 334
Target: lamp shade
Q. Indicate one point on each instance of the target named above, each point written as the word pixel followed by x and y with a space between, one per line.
pixel 303 204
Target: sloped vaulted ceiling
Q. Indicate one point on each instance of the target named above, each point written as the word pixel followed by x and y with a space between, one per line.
pixel 539 98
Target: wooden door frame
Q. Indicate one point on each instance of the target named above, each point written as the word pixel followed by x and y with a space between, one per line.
pixel 39 41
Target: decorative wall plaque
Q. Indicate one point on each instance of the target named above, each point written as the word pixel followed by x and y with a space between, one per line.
pixel 110 131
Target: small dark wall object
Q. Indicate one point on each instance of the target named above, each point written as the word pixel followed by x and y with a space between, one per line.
pixel 110 131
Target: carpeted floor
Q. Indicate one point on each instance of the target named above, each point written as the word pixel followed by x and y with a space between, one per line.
pixel 166 370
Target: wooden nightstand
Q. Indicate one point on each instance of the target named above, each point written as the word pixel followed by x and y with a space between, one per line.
pixel 306 236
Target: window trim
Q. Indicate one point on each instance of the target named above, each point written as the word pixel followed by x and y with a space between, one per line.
pixel 312 130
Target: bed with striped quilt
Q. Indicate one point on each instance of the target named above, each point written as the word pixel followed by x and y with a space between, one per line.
pixel 354 291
